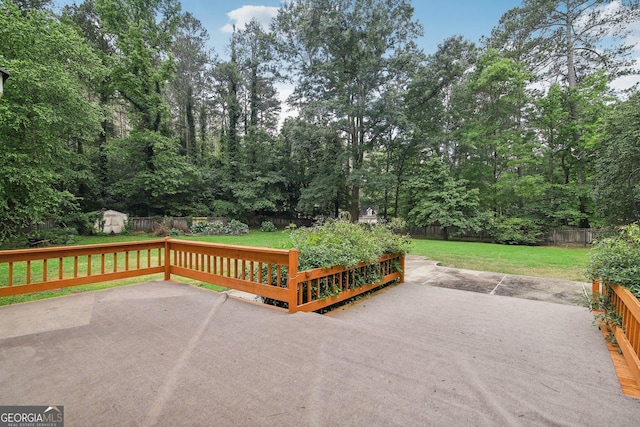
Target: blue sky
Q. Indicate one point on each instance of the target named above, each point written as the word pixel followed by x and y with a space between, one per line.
pixel 440 19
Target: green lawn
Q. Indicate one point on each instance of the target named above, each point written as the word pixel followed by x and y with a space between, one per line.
pixel 277 239
pixel 541 261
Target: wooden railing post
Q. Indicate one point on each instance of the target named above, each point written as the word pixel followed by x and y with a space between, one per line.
pixel 595 288
pixel 292 280
pixel 167 259
pixel 402 263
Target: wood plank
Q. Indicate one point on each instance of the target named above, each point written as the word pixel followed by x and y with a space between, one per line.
pixel 628 384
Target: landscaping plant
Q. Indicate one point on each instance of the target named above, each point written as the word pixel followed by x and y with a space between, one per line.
pixel 340 242
pixel 617 259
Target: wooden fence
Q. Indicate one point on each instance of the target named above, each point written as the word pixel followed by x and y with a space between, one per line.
pixel 149 223
pixel 281 223
pixel 182 223
pixel 555 236
pixel 270 273
pixel 627 335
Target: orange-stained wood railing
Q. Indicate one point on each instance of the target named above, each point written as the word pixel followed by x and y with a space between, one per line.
pixel 33 270
pixel 270 273
pixel 243 268
pixel 319 288
pixel 627 306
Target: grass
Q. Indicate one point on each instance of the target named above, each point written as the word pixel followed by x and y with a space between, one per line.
pixel 539 261
pixel 553 262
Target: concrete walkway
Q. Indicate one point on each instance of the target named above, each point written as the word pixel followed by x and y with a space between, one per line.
pixel 420 353
pixel 426 272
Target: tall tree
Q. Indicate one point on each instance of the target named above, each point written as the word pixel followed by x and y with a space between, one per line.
pixel 345 54
pixel 438 198
pixel 429 99
pixel 617 170
pixel 188 89
pixel 86 17
pixel 493 140
pixel 566 40
pixel 143 31
pixel 569 42
pixel 45 117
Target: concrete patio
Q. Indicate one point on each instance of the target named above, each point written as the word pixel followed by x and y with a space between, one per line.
pixel 427 352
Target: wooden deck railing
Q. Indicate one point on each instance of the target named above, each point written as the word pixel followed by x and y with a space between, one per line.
pixel 259 271
pixel 270 273
pixel 627 336
pixel 319 288
pixel 33 270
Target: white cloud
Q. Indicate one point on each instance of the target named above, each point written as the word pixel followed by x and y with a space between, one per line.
pixel 242 16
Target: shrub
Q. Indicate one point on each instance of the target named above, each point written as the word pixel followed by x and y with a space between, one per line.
pixel 82 222
pixel 159 230
pixel 236 227
pixel 291 227
pixel 617 259
pixel 338 242
pixel 208 228
pixel 60 236
pixel 267 226
pixel 516 231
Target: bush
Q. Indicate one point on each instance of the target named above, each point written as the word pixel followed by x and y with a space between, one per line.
pixel 208 228
pixel 160 230
pixel 84 223
pixel 617 259
pixel 218 227
pixel 338 242
pixel 267 226
pixel 236 227
pixel 60 236
pixel 516 231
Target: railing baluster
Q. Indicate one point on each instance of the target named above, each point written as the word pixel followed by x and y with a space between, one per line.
pixel 248 269
pixel 10 279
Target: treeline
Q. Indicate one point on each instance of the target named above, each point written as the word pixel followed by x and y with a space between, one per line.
pixel 119 104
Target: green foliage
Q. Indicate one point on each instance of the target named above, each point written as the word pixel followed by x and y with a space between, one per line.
pixel 60 236
pixel 208 228
pixel 45 117
pixel 236 227
pixel 161 186
pixel 267 226
pixel 439 198
pixel 617 177
pixel 233 227
pixel 355 55
pixel 616 259
pixel 516 231
pixel 344 243
pixel 142 31
pixel 84 223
